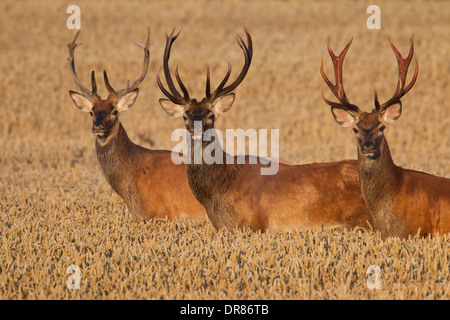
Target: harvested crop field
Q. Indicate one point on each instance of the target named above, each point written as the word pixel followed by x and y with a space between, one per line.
pixel 57 210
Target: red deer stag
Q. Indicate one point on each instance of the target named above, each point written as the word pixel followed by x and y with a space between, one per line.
pixel 145 179
pixel 314 196
pixel 402 202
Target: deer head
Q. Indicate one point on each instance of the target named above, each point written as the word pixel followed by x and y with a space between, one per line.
pixel 213 104
pixel 105 113
pixel 368 127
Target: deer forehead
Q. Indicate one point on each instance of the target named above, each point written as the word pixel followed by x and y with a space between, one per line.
pixel 198 109
pixel 103 106
pixel 368 121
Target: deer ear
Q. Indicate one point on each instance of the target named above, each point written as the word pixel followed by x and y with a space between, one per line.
pixel 127 100
pixel 343 117
pixel 172 109
pixel 392 113
pixel 81 102
pixel 223 104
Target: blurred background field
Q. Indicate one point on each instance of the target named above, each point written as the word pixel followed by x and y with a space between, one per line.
pixel 57 209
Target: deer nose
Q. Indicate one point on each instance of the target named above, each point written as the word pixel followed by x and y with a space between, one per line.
pixel 368 147
pixel 195 128
pixel 96 127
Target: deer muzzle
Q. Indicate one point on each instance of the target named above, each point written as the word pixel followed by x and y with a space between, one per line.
pixel 370 150
pixel 98 129
pixel 196 130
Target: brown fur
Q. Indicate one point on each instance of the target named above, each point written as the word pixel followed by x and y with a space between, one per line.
pixel 403 202
pixel 301 197
pixel 315 196
pixel 150 184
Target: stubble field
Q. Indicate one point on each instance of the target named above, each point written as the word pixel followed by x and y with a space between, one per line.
pixel 57 210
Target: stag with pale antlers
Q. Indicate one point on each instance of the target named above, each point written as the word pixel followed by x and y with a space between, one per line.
pixel 402 202
pixel 313 196
pixel 145 179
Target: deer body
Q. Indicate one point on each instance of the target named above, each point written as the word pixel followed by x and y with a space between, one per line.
pixel 402 202
pixel 143 178
pixel 295 198
pixel 314 196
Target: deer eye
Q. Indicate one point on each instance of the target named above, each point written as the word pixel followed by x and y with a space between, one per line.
pixel 382 128
pixel 355 130
pixel 114 113
pixel 91 113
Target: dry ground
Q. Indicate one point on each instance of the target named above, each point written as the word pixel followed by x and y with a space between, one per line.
pixel 57 210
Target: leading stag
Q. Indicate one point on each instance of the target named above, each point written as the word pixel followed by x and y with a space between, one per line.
pixel 313 196
pixel 147 180
pixel 402 202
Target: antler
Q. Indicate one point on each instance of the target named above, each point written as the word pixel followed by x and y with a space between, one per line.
pixel 338 88
pixel 176 97
pixel 173 95
pixel 138 81
pixel 92 95
pixel 220 90
pixel 403 65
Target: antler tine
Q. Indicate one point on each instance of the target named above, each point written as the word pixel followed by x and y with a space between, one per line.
pixel 375 95
pixel 135 84
pixel 85 91
pixel 338 88
pixel 173 95
pixel 208 83
pixel 170 39
pixel 182 86
pixel 215 94
pixel 108 86
pixel 335 104
pixel 248 54
pixel 93 82
pixel 161 86
pixel 403 65
pixel 338 62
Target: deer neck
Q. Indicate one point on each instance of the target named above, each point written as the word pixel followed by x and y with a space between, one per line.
pixel 208 180
pixel 380 180
pixel 114 153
